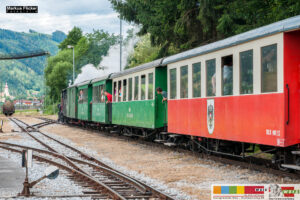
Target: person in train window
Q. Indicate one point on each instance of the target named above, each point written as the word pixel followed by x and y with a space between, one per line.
pixel 80 98
pixel 163 93
pixel 102 96
pixel 108 96
pixel 120 92
pixel 227 77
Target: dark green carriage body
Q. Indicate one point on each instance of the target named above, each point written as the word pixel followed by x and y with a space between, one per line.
pixel 72 102
pixel 142 113
pixel 99 105
pixel 84 101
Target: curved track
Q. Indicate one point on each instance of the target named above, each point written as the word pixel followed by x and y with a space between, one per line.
pixel 99 176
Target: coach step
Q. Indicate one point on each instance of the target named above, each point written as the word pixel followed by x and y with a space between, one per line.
pixel 289 166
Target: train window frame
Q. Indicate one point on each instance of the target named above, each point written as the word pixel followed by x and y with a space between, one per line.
pixel 150 91
pixel 120 90
pixel 114 91
pixel 240 73
pixel 84 98
pixel 194 65
pixel 124 94
pixel 143 97
pixel 136 88
pixel 130 91
pixel 173 96
pixel 186 82
pixel 223 61
pixel 95 94
pixel 206 77
pixel 262 89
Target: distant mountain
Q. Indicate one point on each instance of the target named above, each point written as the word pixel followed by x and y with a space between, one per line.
pixel 25 76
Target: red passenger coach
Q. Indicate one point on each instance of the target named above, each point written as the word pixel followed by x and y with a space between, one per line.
pixel 239 92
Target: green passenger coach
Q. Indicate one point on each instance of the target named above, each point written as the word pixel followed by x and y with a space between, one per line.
pixel 100 109
pixel 72 101
pixel 84 100
pixel 135 103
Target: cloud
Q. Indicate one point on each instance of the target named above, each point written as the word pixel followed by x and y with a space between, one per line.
pixel 62 15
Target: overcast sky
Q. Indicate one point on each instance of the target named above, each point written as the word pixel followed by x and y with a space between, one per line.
pixel 62 15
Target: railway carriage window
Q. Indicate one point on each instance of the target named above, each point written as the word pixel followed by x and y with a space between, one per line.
pixel 119 91
pixel 136 88
pixel 150 86
pixel 184 82
pixel 227 75
pixel 124 89
pixel 196 79
pixel 96 94
pixel 246 72
pixel 129 89
pixel 269 68
pixel 143 87
pixel 101 93
pixel 173 85
pixel 83 96
pixel 211 77
pixel 115 92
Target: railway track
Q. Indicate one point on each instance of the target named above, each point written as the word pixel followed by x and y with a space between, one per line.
pixel 101 179
pixel 253 163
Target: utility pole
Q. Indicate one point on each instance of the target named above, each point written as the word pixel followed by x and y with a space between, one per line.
pixel 72 47
pixel 121 41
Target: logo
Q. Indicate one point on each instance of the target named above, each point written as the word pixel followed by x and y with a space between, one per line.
pixel 255 192
pixel 210 115
pixel 129 109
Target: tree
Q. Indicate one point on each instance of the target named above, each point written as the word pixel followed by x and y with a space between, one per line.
pixel 73 37
pixel 88 49
pixel 184 24
pixel 57 79
pixel 143 52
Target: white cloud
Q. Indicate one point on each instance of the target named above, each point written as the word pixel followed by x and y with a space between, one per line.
pixel 62 15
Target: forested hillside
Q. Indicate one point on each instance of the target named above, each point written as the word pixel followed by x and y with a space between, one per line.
pixel 25 76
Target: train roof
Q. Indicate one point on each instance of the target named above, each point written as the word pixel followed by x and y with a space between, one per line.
pixel 289 24
pixel 149 65
pixel 83 83
pixel 101 78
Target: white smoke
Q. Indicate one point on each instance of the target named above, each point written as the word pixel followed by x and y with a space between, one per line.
pixel 109 63
pixel 88 72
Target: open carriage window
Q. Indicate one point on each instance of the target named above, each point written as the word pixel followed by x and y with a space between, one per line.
pixel 119 91
pixel 227 75
pixel 124 89
pixel 115 93
pixel 269 68
pixel 83 95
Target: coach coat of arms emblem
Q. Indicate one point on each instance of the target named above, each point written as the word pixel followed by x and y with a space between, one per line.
pixel 210 115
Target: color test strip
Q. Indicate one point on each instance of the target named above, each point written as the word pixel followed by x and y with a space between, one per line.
pixel 238 189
